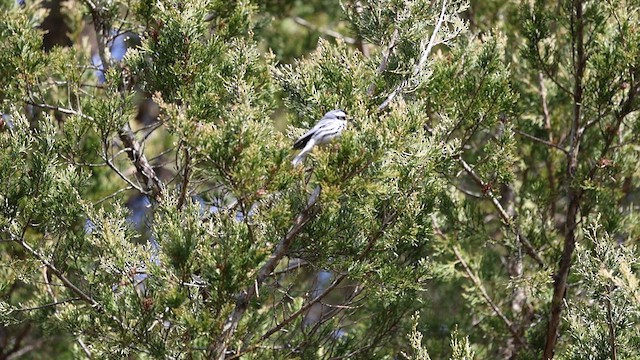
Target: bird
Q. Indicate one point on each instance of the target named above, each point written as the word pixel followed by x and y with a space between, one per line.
pixel 327 129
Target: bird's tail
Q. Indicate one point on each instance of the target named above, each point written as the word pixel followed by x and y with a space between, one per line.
pixel 303 153
pixel 299 158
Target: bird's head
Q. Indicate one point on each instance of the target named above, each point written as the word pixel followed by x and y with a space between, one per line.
pixel 336 114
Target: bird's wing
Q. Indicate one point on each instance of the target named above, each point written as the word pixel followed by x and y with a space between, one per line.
pixel 302 140
pixel 323 123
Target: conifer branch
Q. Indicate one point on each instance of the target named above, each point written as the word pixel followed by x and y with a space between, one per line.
pixel 218 348
pixel 423 59
pixel 65 281
pixel 53 304
pixel 478 284
pixel 612 330
pixel 153 184
pixel 508 221
pixel 548 160
pixel 388 220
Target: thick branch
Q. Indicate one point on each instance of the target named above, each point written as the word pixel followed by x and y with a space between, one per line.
pixel 142 165
pixel 575 192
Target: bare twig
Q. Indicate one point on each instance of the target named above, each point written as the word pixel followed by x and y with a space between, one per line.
pixel 112 195
pixel 541 141
pixel 297 264
pixel 58 109
pixel 48 305
pixel 503 214
pixel 478 284
pixel 124 177
pixel 388 220
pixel 302 22
pixel 84 347
pixel 432 40
pixel 304 308
pixel 145 171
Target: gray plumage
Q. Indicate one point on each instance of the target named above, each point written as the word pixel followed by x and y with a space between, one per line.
pixel 328 128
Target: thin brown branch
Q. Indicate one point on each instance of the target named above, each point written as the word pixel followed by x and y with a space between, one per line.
pixel 388 220
pixel 185 179
pixel 478 284
pixel 503 214
pixel 84 348
pixel 335 309
pixel 58 109
pixel 386 53
pixel 48 305
pixel 145 171
pixel 541 141
pixel 548 160
pixel 372 241
pixel 304 308
pixel 114 194
pixel 297 264
pixel 124 177
pixel 67 283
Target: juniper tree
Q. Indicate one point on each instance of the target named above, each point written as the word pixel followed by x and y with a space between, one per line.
pixel 150 209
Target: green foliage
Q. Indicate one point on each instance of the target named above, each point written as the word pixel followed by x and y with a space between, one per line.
pixel 148 208
pixel 20 65
pixel 606 317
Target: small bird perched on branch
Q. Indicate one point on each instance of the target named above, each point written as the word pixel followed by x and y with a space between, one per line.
pixel 328 128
